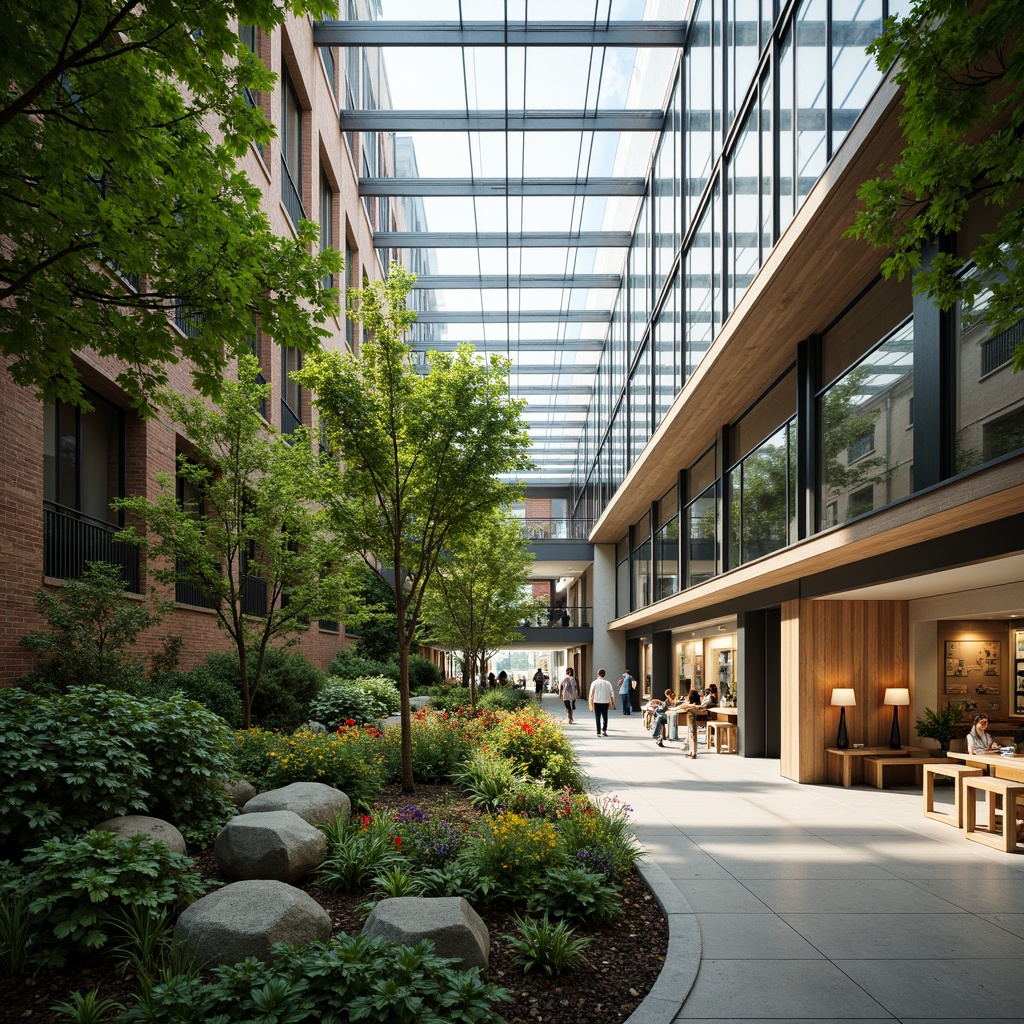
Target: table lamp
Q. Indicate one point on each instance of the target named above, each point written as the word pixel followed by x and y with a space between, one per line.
pixel 898 697
pixel 843 697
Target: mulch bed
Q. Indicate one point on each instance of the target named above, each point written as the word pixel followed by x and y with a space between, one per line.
pixel 623 962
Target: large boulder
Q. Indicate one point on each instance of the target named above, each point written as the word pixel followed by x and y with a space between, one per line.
pixel 241 791
pixel 454 927
pixel 155 829
pixel 246 918
pixel 275 845
pixel 312 801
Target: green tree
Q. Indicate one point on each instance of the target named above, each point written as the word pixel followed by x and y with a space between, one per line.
pixel 422 453
pixel 372 617
pixel 961 66
pixel 120 202
pixel 254 526
pixel 93 627
pixel 477 600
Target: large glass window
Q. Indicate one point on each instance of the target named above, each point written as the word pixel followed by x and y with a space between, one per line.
pixel 742 182
pixel 640 405
pixel 326 223
pixel 867 431
pixel 701 519
pixel 664 211
pixel 622 578
pixel 699 311
pixel 291 393
pixel 641 563
pixel 291 151
pixel 990 396
pixel 666 369
pixel 699 106
pixel 743 44
pixel 854 79
pixel 666 547
pixel 811 94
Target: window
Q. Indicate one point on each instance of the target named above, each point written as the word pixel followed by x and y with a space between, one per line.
pixel 291 393
pixel 326 222
pixel 291 151
pixel 83 472
pixel 863 445
pixel 860 502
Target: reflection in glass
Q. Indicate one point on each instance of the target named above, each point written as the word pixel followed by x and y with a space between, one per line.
pixel 811 94
pixel 642 573
pixel 702 529
pixel 867 431
pixel 761 492
pixel 666 553
pixel 854 28
pixel 990 396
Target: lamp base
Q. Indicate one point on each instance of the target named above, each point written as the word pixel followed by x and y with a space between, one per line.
pixel 894 737
pixel 843 739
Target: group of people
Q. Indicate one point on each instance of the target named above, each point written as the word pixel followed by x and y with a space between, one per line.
pixel 695 707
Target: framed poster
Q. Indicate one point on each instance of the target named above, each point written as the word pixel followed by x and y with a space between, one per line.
pixel 972 667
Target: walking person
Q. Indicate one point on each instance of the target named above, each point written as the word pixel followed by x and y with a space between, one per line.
pixel 538 684
pixel 568 692
pixel 627 684
pixel 602 697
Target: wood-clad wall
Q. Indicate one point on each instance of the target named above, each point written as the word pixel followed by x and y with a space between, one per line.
pixel 860 644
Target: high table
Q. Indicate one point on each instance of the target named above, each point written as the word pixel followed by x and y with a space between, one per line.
pixel 995 764
pixel 845 758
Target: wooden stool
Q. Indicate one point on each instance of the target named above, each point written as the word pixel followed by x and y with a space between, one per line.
pixel 724 737
pixel 1011 792
pixel 875 768
pixel 957 772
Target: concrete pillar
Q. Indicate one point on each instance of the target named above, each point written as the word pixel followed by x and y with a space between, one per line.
pixel 609 650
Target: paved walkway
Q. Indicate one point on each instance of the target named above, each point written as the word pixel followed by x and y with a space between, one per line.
pixel 809 903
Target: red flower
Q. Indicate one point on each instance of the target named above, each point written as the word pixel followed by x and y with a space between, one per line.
pixel 398 841
pixel 350 721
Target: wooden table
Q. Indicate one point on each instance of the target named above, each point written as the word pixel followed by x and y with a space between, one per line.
pixel 846 759
pixel 996 765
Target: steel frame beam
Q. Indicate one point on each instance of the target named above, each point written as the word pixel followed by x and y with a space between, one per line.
pixel 501 187
pixel 517 281
pixel 501 240
pixel 501 120
pixel 512 316
pixel 640 34
pixel 524 345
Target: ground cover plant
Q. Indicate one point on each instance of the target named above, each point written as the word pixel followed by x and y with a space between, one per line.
pixel 548 868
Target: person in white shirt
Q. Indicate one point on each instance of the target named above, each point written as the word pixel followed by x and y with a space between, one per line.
pixel 602 697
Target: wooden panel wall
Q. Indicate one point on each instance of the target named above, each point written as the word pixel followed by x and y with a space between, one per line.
pixel 860 644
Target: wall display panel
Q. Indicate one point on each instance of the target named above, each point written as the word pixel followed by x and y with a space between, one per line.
pixel 989 395
pixel 1018 672
pixel 867 432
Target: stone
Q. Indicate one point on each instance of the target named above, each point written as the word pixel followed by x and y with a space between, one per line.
pixel 454 927
pixel 245 919
pixel 312 726
pixel 312 801
pixel 240 791
pixel 275 845
pixel 155 829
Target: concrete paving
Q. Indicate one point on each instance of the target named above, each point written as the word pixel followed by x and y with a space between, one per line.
pixel 790 902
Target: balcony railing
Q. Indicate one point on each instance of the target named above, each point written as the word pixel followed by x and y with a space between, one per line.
pixel 328 626
pixel 187 321
pixel 290 196
pixel 557 616
pixel 999 350
pixel 190 592
pixel 556 529
pixel 71 539
pixel 254 595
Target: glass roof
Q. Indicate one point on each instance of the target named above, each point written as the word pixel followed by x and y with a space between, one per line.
pixel 542 302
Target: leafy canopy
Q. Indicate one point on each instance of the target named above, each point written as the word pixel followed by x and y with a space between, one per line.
pixel 961 65
pixel 120 128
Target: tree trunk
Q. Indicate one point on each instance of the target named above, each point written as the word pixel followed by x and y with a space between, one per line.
pixel 408 785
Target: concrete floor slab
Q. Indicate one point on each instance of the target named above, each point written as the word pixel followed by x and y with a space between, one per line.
pixel 747 936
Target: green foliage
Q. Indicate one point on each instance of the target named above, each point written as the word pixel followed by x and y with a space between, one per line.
pixel 73 885
pixel 490 779
pixel 349 664
pixel 551 948
pixel 513 851
pixel 941 725
pixel 538 742
pixel 349 761
pixel 358 700
pixel 423 674
pixel 574 893
pixel 449 699
pixel 422 452
pixel 18 935
pixel 372 618
pixel 88 1008
pixel 504 698
pixel 93 627
pixel 961 67
pixel 437 746
pixel 596 833
pixel 289 681
pixel 121 199
pixel 359 850
pixel 258 517
pixel 349 978
pixel 205 686
pixel 73 759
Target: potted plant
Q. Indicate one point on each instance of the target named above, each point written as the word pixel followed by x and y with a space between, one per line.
pixel 941 725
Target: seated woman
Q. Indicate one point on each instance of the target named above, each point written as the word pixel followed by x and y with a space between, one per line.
pixel 661 716
pixel 695 710
pixel 710 698
pixel 979 741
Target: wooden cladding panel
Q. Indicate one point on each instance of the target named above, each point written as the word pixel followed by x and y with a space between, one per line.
pixel 825 644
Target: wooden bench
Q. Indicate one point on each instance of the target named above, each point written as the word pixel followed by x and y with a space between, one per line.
pixel 1004 839
pixel 957 772
pixel 724 737
pixel 875 767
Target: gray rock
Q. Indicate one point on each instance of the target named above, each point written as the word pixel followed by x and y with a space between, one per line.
pixel 312 801
pixel 155 829
pixel 273 845
pixel 241 791
pixel 246 918
pixel 313 726
pixel 454 927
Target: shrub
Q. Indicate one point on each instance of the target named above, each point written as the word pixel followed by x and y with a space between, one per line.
pixel 597 833
pixel 18 935
pixel 358 850
pixel 440 743
pixel 73 759
pixel 288 683
pixel 505 698
pixel 549 947
pixel 348 664
pixel 423 674
pixel 362 700
pixel 490 779
pixel 577 894
pixel 350 978
pixel 513 851
pixel 449 698
pixel 73 886
pixel 205 687
pixel 539 743
pixel 432 843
